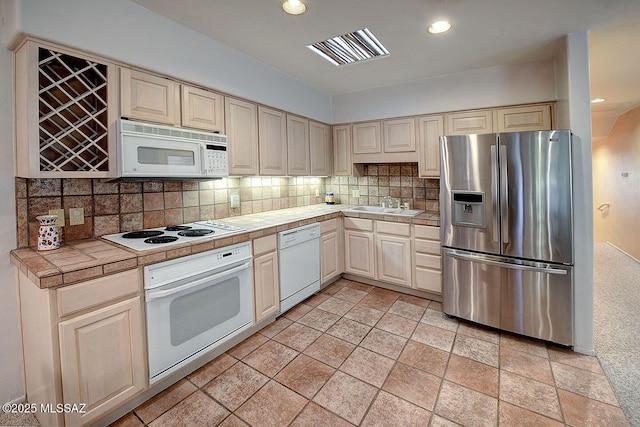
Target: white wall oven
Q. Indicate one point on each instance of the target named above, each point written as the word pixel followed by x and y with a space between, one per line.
pixel 195 303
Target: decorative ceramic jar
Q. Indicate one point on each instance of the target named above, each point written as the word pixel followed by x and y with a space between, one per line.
pixel 48 238
pixel 329 198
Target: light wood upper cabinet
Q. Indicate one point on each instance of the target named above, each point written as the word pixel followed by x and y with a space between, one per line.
pixel 399 135
pixel 202 109
pixel 241 124
pixel 266 283
pixel 272 141
pixel 468 122
pixel 430 128
pixel 150 98
pixel 342 163
pixel 66 113
pixel 526 118
pixel 367 138
pixel 102 358
pixel 320 149
pixel 298 158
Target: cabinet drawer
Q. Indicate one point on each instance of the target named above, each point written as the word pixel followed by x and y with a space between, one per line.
pixel 428 280
pixel 426 232
pixel 94 292
pixel 358 224
pixel 427 246
pixel 428 261
pixel 265 244
pixel 328 226
pixel 396 228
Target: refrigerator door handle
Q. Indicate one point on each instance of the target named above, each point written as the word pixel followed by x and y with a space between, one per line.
pixel 494 190
pixel 504 194
pixel 485 260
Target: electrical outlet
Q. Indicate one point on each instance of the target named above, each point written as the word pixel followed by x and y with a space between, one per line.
pixel 76 216
pixel 235 201
pixel 60 212
pixel 355 193
pixel 317 193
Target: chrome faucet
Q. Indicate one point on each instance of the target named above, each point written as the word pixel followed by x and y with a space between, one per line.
pixel 387 201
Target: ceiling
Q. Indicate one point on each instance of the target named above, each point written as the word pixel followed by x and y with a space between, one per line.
pixel 485 33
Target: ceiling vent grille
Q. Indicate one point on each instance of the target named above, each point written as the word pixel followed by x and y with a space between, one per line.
pixel 358 46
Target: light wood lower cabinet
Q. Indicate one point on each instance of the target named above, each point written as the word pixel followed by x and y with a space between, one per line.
pixel 102 359
pixel 393 252
pixel 266 284
pixel 427 276
pixel 331 249
pixel 359 247
pixel 83 344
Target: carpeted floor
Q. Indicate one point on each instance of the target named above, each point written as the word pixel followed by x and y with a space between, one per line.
pixel 617 325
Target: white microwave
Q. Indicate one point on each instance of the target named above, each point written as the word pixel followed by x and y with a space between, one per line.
pixel 147 150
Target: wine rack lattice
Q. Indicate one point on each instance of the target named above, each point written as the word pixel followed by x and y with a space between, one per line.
pixel 73 124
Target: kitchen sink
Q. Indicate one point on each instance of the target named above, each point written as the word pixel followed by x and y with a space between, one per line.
pixel 384 211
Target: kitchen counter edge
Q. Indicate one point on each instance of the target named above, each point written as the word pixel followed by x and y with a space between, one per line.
pixel 80 260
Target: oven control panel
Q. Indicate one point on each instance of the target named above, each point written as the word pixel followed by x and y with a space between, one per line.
pixel 221 256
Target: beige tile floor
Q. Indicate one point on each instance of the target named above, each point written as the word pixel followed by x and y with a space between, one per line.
pixel 355 354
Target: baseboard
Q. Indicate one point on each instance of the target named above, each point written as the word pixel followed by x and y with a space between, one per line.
pixel 20 399
pixel 625 253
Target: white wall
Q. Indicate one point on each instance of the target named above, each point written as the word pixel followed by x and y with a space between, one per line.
pixel 613 157
pixel 11 379
pixel 574 112
pixel 489 87
pixel 127 32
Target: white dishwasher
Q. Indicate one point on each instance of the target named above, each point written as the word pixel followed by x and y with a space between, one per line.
pixel 299 264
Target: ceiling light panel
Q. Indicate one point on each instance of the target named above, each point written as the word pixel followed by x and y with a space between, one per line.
pixel 357 46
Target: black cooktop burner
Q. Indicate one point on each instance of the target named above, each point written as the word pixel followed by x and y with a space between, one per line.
pixel 161 239
pixel 178 227
pixel 142 234
pixel 196 232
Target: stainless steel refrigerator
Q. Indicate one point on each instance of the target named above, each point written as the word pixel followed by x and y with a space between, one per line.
pixel 507 231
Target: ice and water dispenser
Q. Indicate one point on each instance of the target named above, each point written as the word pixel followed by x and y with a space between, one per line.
pixel 468 209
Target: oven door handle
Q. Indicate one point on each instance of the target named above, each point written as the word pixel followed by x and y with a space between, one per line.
pixel 166 292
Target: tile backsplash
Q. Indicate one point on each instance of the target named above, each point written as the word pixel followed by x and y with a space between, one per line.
pixel 114 207
pixel 398 180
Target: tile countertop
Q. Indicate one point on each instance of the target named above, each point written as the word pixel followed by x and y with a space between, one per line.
pixel 80 260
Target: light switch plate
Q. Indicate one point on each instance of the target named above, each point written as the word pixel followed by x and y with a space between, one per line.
pixel 76 216
pixel 355 193
pixel 235 201
pixel 60 213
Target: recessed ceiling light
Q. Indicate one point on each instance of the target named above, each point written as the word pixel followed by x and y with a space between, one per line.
pixel 597 100
pixel 439 27
pixel 294 7
pixel 360 45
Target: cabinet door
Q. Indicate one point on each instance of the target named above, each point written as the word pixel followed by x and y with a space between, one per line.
pixel 147 97
pixel 394 259
pixel 202 109
pixel 241 123
pixel 366 138
pixel 320 149
pixel 430 128
pixel 359 252
pixel 266 286
pixel 272 140
pixel 519 119
pixel 342 163
pixel 102 359
pixel 298 146
pixel 66 113
pixel 399 135
pixel 465 123
pixel 330 260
